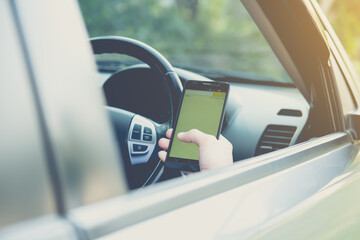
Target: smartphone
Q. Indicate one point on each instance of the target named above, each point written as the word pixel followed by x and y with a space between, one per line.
pixel 202 107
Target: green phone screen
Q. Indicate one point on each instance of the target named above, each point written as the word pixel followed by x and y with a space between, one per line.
pixel 199 110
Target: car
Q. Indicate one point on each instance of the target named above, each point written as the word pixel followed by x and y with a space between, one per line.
pixel 68 168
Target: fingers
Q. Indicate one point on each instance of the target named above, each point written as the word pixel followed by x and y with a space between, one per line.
pixel 164 143
pixel 195 136
pixel 162 155
pixel 169 132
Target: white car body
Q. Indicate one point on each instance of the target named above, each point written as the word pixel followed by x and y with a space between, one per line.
pixel 59 172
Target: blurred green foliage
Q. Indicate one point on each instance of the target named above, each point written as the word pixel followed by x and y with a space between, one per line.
pixel 216 34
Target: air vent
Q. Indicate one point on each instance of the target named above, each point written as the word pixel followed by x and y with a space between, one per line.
pixel 290 113
pixel 275 137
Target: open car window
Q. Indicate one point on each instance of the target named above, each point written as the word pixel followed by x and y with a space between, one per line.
pixel 217 39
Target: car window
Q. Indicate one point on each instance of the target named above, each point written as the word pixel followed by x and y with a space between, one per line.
pixel 346 96
pixel 212 37
pixel 344 17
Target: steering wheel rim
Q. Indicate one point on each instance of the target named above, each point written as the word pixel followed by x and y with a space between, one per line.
pixel 157 62
pixel 146 54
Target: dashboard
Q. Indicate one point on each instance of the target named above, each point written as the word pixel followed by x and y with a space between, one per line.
pixel 259 118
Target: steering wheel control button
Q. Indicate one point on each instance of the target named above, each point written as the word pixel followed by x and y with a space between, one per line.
pixel 136 133
pixel 137 127
pixel 137 148
pixel 141 140
pixel 147 130
pixel 147 138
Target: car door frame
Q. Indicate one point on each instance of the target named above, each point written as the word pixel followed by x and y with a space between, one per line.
pixel 29 207
pixel 138 210
pixel 102 210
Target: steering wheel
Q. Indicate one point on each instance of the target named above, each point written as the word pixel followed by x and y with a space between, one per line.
pixel 137 135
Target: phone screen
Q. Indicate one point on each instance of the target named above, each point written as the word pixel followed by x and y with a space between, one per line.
pixel 201 110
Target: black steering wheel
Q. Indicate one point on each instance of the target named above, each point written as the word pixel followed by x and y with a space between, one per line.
pixel 137 135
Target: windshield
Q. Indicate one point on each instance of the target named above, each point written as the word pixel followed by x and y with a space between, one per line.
pixel 215 38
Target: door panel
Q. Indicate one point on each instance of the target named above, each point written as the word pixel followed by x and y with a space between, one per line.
pixel 244 211
pixel 332 213
pixel 85 154
pixel 42 228
pixel 28 206
pixel 24 182
pixel 261 187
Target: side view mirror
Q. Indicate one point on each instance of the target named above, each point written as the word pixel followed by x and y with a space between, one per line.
pixel 354 119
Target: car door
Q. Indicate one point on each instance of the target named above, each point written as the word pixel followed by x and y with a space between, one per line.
pixel 57 149
pixel 85 173
pixel 240 201
pixel 28 200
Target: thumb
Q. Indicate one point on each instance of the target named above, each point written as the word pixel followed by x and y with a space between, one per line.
pixel 194 136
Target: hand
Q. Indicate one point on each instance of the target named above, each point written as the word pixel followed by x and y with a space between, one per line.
pixel 213 153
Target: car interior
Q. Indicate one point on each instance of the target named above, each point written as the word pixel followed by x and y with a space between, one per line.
pixel 266 110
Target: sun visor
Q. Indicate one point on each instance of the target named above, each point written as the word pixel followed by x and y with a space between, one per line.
pixel 294 32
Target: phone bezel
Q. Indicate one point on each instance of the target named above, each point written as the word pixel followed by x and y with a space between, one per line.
pixel 189 164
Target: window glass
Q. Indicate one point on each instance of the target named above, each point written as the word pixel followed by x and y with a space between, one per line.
pixel 344 17
pixel 215 38
pixel 345 96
